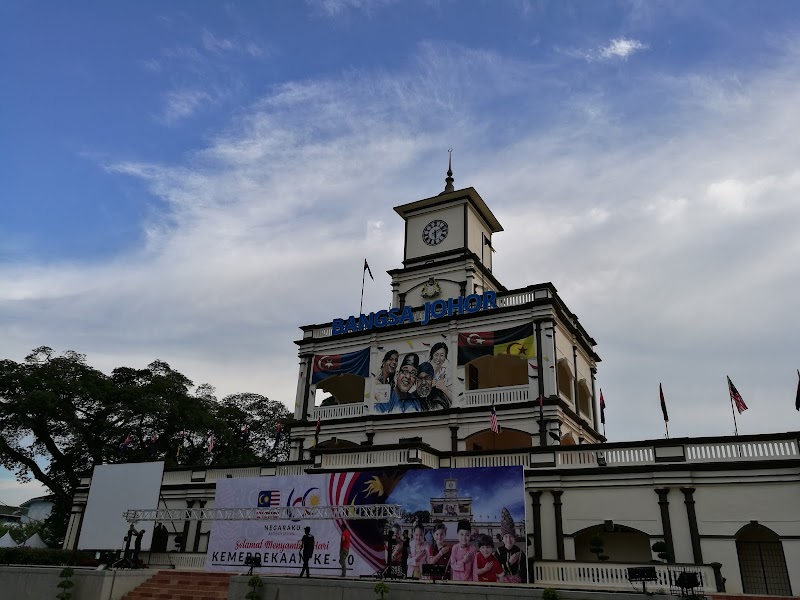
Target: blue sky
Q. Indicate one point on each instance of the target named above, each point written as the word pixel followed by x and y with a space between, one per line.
pixel 191 181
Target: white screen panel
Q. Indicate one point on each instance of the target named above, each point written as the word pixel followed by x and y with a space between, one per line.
pixel 115 489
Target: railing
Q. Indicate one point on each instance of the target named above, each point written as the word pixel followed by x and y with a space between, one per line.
pixel 613 457
pixel 211 474
pixel 376 458
pixel 340 411
pixel 503 395
pixel 741 451
pixel 181 560
pixel 605 576
pixel 493 460
pixel 290 470
pixel 429 460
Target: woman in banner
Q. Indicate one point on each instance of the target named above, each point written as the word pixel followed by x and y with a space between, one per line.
pixel 388 368
pixel 438 357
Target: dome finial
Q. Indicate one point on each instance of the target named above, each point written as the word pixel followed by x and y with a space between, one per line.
pixel 449 179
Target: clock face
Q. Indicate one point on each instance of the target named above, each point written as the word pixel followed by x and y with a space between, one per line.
pixel 434 232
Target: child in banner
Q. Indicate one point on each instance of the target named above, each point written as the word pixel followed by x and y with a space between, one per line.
pixel 486 567
pixel 511 559
pixel 419 552
pixel 439 551
pixel 462 554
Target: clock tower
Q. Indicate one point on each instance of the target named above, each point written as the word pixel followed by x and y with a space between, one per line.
pixel 448 247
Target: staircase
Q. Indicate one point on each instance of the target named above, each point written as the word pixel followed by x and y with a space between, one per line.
pixel 182 585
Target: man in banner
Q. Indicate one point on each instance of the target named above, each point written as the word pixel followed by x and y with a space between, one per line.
pixel 430 398
pixel 401 398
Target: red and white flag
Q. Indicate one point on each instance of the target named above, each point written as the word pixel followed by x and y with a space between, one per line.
pixel 495 426
pixel 211 442
pixel 736 397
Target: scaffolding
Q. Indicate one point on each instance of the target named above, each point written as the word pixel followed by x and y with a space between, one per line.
pixel 288 513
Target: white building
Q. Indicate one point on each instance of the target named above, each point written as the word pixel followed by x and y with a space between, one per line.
pixel 726 500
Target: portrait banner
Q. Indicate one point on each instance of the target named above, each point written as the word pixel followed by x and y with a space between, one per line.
pixel 451 518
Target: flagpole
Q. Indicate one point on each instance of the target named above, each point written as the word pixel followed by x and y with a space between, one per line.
pixel 363 276
pixel 733 412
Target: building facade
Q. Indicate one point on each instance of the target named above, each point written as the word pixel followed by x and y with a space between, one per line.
pixel 463 372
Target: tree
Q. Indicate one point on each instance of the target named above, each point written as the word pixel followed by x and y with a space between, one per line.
pixel 59 417
pixel 596 547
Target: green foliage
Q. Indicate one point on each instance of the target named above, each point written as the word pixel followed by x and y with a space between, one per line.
pixel 662 551
pixel 255 584
pixel 79 417
pixel 596 547
pixel 381 589
pixel 66 583
pixel 550 594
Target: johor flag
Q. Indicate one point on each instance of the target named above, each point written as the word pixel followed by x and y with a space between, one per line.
pixel 663 404
pixel 517 341
pixel 352 363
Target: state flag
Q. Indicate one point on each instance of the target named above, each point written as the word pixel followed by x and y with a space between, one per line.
pixel 515 341
pixel 351 363
pixel 663 404
pixel 602 408
pixel 797 397
pixel 368 270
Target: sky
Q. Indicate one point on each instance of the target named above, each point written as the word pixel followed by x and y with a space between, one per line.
pixel 191 181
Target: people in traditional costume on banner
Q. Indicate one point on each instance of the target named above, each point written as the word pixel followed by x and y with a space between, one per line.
pixel 511 559
pixel 420 551
pixel 462 555
pixel 487 567
pixel 439 554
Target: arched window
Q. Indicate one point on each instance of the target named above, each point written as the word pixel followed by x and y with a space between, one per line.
pixel 585 399
pixel 621 544
pixel 496 371
pixel 762 563
pixel 564 379
pixel 507 439
pixel 345 389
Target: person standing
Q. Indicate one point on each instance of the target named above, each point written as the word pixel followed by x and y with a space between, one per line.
pixel 344 548
pixel 137 546
pixel 306 551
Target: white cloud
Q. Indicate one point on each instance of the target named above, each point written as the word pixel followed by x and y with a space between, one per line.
pixel 638 221
pixel 621 48
pixel 334 8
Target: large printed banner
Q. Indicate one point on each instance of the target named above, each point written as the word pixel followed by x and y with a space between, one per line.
pixel 471 522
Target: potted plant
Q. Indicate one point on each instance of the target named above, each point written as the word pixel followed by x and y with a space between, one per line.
pixel 65 584
pixel 255 584
pixel 381 589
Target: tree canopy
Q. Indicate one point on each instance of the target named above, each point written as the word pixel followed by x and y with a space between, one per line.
pixel 60 416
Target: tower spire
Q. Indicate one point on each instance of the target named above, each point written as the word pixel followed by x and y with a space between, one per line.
pixel 449 179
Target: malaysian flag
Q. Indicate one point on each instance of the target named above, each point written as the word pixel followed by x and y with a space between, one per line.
pixel 269 498
pixel 495 426
pixel 736 397
pixel 211 440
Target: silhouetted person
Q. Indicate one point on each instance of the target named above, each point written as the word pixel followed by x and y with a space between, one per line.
pixel 306 551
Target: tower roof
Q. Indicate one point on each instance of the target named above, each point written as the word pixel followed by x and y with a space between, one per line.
pixel 467 195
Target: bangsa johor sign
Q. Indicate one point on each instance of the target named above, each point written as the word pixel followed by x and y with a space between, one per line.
pixel 435 309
